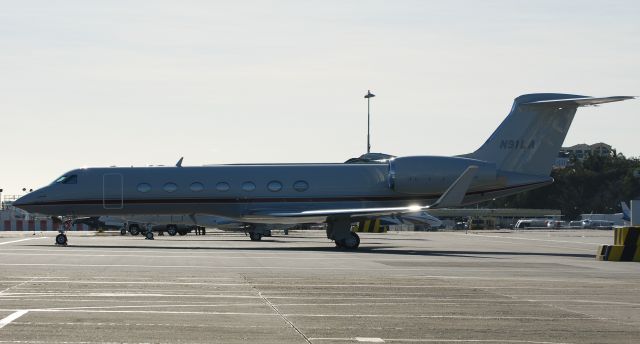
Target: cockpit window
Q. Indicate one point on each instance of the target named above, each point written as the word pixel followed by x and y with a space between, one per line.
pixel 70 179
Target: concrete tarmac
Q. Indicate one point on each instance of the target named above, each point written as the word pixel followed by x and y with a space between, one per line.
pixel 406 287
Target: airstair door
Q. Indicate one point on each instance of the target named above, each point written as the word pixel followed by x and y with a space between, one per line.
pixel 112 191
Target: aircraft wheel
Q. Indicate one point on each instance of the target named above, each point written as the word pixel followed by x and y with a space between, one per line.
pixel 61 239
pixel 123 231
pixel 171 230
pixel 134 230
pixel 350 243
pixel 149 235
pixel 255 236
pixel 182 232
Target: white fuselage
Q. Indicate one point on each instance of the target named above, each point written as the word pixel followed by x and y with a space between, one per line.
pixel 252 193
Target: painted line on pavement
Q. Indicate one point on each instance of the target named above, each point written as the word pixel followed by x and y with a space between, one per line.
pixel 13 316
pixel 14 241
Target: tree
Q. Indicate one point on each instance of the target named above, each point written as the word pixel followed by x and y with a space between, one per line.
pixel 596 184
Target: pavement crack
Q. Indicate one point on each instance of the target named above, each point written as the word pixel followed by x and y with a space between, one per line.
pixel 275 309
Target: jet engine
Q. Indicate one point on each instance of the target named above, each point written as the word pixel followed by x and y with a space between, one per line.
pixel 422 175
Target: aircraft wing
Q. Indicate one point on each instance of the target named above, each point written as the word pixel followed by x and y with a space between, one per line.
pixel 355 212
pixel 452 197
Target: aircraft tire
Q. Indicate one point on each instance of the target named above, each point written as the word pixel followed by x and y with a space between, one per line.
pixel 134 230
pixel 123 231
pixel 171 230
pixel 182 232
pixel 61 239
pixel 149 235
pixel 255 236
pixel 351 243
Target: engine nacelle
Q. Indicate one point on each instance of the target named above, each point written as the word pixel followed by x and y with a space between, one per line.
pixel 420 175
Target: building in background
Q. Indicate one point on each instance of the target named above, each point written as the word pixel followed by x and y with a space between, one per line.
pixel 582 151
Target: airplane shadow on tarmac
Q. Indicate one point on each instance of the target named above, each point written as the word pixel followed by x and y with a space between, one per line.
pixel 363 249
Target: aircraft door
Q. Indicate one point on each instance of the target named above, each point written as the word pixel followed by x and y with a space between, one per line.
pixel 112 191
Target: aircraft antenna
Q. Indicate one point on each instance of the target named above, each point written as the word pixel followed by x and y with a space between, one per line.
pixel 369 95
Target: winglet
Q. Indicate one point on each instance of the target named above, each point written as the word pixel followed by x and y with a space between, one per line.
pixel 179 163
pixel 455 193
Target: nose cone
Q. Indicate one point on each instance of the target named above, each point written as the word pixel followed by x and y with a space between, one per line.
pixel 22 201
pixel 30 201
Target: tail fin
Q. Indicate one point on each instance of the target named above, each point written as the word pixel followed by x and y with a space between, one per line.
pixel 529 139
pixel 626 213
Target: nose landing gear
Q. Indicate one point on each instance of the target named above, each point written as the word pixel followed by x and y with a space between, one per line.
pixel 61 239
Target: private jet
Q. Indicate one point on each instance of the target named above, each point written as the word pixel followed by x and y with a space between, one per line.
pixel 517 157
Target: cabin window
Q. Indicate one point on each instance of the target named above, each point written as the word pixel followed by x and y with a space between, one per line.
pixel 196 187
pixel 274 186
pixel 223 186
pixel 248 186
pixel 144 187
pixel 170 187
pixel 72 179
pixel 300 185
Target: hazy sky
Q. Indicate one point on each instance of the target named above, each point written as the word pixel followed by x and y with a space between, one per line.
pixel 100 83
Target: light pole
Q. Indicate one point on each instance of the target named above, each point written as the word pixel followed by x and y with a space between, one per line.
pixel 369 96
pixel 1 203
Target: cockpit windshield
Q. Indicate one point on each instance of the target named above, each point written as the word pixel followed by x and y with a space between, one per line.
pixel 67 179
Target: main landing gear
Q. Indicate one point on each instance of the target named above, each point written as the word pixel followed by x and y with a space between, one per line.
pixel 255 236
pixel 352 242
pixel 339 230
pixel 257 231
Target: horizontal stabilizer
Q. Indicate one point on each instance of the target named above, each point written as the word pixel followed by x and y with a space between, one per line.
pixel 584 101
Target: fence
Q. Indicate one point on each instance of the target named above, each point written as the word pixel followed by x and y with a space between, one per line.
pixel 16 225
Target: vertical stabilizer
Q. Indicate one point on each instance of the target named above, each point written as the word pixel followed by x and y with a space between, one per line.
pixel 529 139
pixel 626 212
